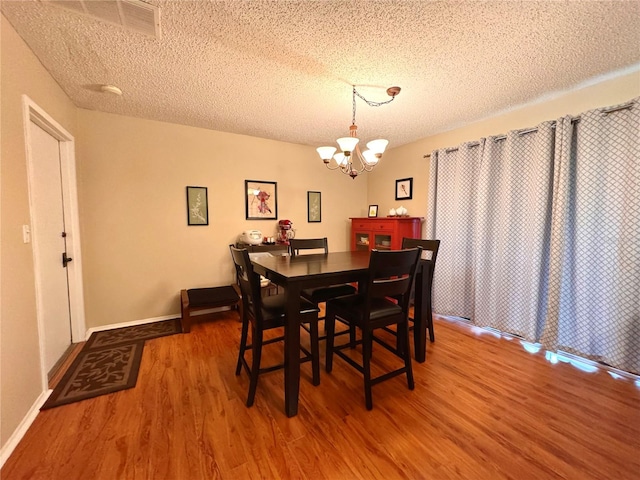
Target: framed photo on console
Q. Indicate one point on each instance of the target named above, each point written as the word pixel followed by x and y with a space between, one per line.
pixel 373 211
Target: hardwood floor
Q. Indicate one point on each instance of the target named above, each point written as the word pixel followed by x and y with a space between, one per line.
pixel 483 408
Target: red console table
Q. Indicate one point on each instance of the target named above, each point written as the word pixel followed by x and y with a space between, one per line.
pixel 385 233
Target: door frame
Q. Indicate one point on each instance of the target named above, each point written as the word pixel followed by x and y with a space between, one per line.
pixel 33 113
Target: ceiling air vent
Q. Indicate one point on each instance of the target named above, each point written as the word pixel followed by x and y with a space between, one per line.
pixel 132 15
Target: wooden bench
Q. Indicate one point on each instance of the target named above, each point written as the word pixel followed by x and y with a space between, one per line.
pixel 204 298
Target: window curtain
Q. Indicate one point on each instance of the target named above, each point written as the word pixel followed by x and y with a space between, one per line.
pixel 512 228
pixel 452 196
pixel 594 295
pixel 540 234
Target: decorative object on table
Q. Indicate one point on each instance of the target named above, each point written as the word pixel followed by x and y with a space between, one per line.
pixel 314 207
pixel 404 189
pixel 197 206
pixel 108 362
pixel 252 237
pixel 261 200
pixel 392 212
pixel 349 145
pixel 401 211
pixel 285 232
pixel 373 211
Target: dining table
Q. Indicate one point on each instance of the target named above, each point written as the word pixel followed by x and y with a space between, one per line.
pixel 295 273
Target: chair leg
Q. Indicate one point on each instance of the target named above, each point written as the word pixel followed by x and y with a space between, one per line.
pixel 256 343
pixel 432 337
pixel 243 345
pixel 407 353
pixel 330 328
pixel 315 350
pixel 367 346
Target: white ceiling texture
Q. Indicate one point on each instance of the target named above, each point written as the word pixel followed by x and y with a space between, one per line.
pixel 284 69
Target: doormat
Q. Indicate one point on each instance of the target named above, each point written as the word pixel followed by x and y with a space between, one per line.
pixel 125 335
pixel 108 362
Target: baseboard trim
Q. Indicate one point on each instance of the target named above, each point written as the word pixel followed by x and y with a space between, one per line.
pixel 144 321
pixel 18 433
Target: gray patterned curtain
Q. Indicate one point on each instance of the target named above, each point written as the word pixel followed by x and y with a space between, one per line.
pixel 540 234
pixel 452 192
pixel 512 224
pixel 594 297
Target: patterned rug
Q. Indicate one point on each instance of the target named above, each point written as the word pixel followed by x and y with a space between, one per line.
pixel 108 362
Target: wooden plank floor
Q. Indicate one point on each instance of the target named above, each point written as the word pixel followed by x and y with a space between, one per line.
pixel 483 408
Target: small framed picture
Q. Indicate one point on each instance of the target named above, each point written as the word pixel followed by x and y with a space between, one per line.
pixel 373 210
pixel 314 207
pixel 197 206
pixel 260 200
pixel 404 189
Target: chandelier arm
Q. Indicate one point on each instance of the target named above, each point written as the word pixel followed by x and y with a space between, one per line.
pixel 328 165
pixel 363 164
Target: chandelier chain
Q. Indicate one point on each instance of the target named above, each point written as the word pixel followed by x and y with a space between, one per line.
pixel 371 103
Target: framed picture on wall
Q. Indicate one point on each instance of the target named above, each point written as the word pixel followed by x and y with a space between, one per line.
pixel 260 200
pixel 197 206
pixel 314 207
pixel 404 189
pixel 373 211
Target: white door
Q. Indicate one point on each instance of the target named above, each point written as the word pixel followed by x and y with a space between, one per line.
pixel 48 233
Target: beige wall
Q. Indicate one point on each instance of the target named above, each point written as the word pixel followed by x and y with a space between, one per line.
pixel 138 251
pixel 21 73
pixel 408 160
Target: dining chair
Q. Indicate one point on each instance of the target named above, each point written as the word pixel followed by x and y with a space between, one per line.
pixel 264 313
pixel 319 295
pixel 391 274
pixel 424 287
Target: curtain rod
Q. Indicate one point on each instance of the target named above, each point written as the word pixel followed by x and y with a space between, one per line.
pixel 606 111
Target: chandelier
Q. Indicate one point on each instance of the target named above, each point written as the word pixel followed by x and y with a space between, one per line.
pixel 350 150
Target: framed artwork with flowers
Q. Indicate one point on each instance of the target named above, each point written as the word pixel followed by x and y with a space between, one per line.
pixel 261 200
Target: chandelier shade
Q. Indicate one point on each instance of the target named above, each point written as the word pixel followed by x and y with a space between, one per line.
pixel 349 146
pixel 326 153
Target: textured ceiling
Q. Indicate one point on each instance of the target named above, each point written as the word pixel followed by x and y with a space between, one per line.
pixel 284 69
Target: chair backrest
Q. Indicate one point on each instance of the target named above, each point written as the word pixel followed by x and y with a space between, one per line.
pixel 391 274
pixel 297 244
pixel 427 246
pixel 249 282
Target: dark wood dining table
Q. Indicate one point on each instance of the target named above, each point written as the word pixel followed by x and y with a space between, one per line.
pixel 295 274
